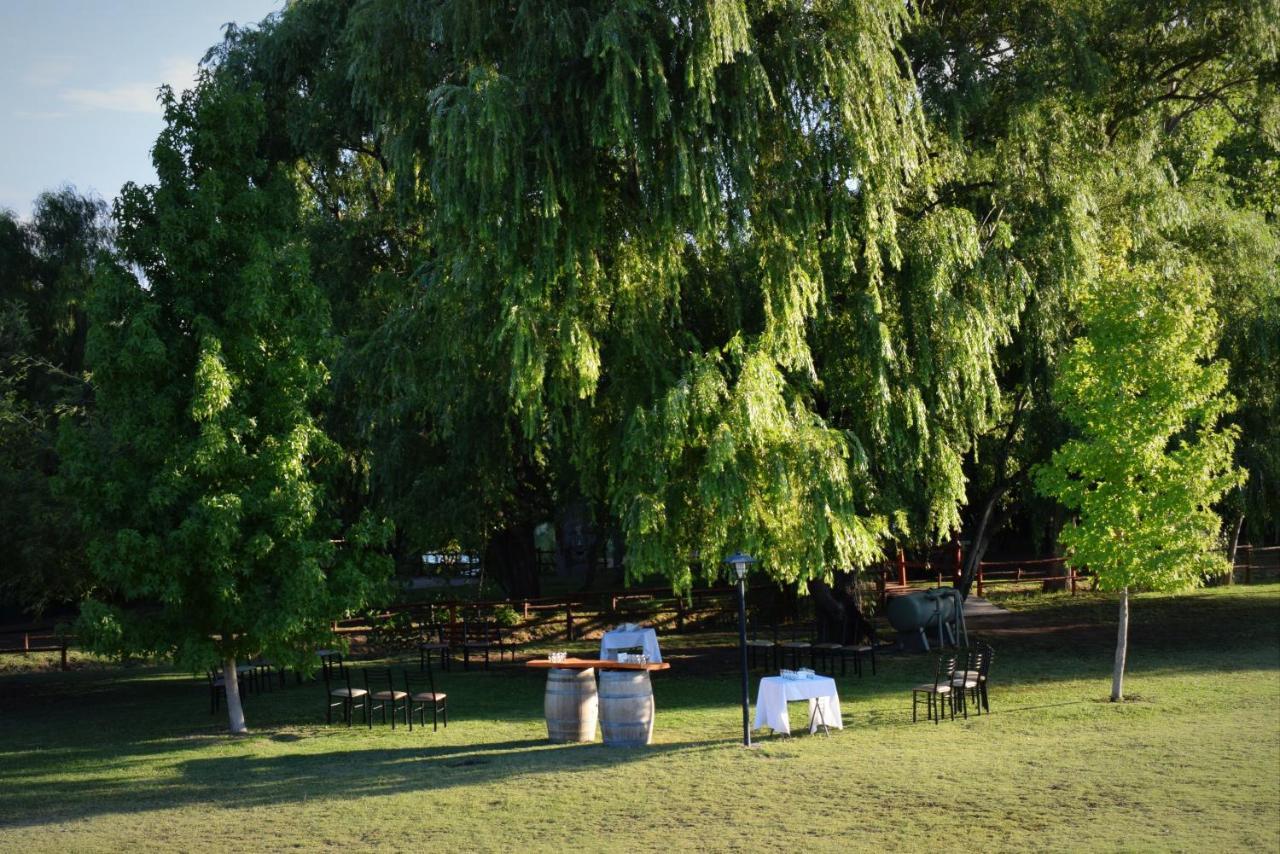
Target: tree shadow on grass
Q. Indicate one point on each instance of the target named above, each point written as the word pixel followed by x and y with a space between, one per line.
pixel 255 781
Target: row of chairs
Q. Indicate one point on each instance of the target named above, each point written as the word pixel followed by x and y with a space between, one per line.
pixel 251 678
pixel 390 702
pixel 447 640
pixel 957 680
pixel 827 652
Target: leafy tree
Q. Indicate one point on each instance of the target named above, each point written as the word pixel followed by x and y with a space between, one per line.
pixel 666 272
pixel 206 483
pixel 46 265
pixel 1150 457
pixel 1066 119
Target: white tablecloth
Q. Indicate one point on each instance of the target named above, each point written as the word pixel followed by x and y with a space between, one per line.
pixel 646 639
pixel 775 692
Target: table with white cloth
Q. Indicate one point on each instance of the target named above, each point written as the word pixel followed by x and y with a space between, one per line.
pixel 775 692
pixel 627 637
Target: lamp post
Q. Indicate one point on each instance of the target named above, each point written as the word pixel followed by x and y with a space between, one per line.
pixel 741 563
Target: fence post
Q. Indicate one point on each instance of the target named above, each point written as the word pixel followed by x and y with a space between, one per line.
pixel 959 573
pixel 902 568
pixel 979 579
pixel 568 620
pixel 64 653
pixel 26 642
pixel 1071 574
pixel 679 613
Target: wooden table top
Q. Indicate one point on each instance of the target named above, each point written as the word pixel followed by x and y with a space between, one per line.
pixel 599 664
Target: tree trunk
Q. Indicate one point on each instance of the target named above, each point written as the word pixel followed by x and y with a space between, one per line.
pixel 986 526
pixel 235 712
pixel 1235 546
pixel 981 539
pixel 576 542
pixel 511 560
pixel 1122 648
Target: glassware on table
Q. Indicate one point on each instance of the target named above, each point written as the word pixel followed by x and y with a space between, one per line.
pixel 557 657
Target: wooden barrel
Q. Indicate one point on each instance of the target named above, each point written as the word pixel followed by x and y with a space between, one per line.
pixel 571 706
pixel 626 707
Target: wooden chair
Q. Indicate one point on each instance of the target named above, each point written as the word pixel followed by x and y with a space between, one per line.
pixel 796 647
pixel 984 673
pixel 396 702
pixel 825 651
pixel 331 663
pixel 756 646
pixel 217 689
pixel 343 695
pixel 247 676
pixel 420 700
pixel 427 646
pixel 857 650
pixel 965 682
pixel 474 637
pixel 937 692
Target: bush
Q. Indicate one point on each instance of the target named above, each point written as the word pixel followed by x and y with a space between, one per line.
pixel 506 616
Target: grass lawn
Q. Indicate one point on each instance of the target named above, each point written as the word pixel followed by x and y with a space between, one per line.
pixel 130 758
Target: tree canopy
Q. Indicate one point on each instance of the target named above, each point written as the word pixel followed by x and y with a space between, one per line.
pixel 205 478
pixel 794 278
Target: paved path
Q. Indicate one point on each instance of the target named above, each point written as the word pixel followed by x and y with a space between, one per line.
pixel 976 606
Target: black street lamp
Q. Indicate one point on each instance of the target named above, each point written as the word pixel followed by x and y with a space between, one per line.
pixel 741 563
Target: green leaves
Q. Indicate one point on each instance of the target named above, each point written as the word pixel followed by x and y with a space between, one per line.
pixel 215 531
pixel 1150 458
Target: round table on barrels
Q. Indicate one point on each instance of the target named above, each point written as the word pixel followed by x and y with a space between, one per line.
pixel 623 704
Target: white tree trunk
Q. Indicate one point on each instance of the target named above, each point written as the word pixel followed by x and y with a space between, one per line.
pixel 235 712
pixel 1122 648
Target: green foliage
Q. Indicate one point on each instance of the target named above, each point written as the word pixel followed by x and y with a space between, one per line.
pixel 506 616
pixel 46 265
pixel 204 480
pixel 1063 121
pixel 1150 458
pixel 668 271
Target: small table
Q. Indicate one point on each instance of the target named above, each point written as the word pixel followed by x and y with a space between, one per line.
pixel 646 639
pixel 775 692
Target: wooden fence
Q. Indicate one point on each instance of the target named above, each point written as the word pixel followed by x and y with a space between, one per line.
pixel 36 639
pixel 1253 563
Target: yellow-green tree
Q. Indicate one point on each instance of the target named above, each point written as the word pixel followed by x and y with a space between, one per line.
pixel 1149 458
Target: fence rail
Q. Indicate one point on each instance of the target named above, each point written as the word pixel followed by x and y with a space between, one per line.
pixel 891 576
pixel 44 639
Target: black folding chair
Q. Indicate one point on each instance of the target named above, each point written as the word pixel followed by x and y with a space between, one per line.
pixel 419 701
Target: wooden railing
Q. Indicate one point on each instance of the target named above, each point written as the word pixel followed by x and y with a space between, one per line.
pixel 36 639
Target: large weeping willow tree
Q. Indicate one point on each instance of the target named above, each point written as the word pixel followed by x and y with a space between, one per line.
pixel 665 262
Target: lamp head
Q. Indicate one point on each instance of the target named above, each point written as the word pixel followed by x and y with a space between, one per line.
pixel 741 564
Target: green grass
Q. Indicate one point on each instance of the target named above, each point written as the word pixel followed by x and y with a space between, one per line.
pixel 129 758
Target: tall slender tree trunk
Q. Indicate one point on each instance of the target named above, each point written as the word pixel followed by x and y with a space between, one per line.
pixel 1235 547
pixel 235 711
pixel 981 539
pixel 1122 648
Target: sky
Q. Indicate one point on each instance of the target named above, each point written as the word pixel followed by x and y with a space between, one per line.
pixel 78 81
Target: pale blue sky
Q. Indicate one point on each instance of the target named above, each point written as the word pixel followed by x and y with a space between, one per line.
pixel 78 80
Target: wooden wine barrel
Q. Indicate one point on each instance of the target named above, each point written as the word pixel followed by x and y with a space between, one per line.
pixel 626 707
pixel 571 705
